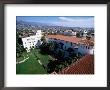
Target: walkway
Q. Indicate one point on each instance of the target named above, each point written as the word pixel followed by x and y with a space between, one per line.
pixel 39 62
pixel 22 60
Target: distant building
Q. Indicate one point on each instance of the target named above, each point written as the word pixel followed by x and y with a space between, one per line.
pixel 69 33
pixel 31 40
pixel 85 33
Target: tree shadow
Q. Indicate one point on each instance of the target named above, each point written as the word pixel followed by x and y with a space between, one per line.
pixel 43 52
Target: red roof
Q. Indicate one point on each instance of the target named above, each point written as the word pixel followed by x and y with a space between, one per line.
pixel 87 42
pixel 65 38
pixel 85 65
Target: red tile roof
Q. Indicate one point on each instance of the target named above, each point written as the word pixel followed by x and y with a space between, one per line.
pixel 87 42
pixel 73 39
pixel 85 65
pixel 65 38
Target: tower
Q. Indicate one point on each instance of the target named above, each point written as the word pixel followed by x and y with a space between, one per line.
pixel 85 33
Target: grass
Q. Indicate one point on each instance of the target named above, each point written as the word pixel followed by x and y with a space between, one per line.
pixel 24 54
pixel 44 58
pixel 31 66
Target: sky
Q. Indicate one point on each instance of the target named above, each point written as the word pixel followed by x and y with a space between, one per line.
pixel 68 21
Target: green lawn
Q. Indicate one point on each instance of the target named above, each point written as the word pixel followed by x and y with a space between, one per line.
pixel 24 54
pixel 31 66
pixel 43 58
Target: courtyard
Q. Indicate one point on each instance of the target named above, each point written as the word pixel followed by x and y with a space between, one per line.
pixel 34 64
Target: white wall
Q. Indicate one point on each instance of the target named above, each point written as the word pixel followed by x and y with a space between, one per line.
pixel 28 42
pixel 69 33
pixel 81 48
pixel 84 49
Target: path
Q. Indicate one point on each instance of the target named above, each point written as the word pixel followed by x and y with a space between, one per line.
pixel 39 62
pixel 22 60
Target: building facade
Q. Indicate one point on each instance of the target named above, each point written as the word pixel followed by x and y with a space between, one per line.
pixel 32 40
pixel 86 47
pixel 83 46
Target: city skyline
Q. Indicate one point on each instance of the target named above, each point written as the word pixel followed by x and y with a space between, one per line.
pixel 68 21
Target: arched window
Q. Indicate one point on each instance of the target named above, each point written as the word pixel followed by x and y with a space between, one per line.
pixel 65 47
pixel 71 43
pixel 88 47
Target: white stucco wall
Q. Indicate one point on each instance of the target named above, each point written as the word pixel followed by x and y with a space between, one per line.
pixel 31 41
pixel 84 49
pixel 69 33
pixel 81 48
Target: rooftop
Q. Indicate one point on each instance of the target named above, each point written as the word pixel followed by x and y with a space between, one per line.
pixel 87 42
pixel 65 38
pixel 73 39
pixel 85 65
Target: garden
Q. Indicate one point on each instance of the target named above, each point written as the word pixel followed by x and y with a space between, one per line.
pixel 46 59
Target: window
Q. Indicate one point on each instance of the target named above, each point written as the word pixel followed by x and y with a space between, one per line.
pixel 88 47
pixel 78 44
pixel 65 47
pixel 71 44
pixel 28 39
pixel 82 46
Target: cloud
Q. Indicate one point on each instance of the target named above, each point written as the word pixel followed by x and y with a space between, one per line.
pixel 77 22
pixel 75 19
pixel 66 19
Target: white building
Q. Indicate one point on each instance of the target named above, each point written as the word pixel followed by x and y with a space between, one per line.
pixel 32 40
pixel 70 33
pixel 86 47
pixel 85 33
pixel 83 46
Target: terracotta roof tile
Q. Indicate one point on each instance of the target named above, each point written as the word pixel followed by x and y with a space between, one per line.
pixel 83 66
pixel 73 39
pixel 87 42
pixel 65 38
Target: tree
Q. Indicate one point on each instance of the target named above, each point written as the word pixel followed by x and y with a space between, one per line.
pixel 57 68
pixel 44 48
pixel 69 61
pixel 60 54
pixel 19 46
pixel 47 47
pixel 78 35
pixel 43 39
pixel 56 45
pixel 51 46
pixel 70 50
